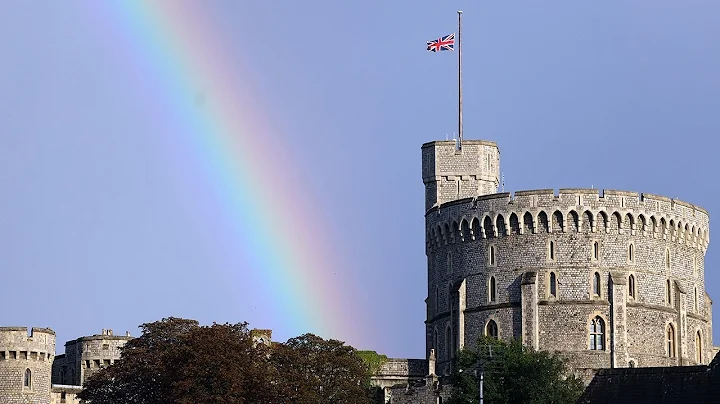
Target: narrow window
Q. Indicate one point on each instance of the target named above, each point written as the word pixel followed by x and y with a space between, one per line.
pixel 491 330
pixel 596 250
pixel 448 344
pixel 62 376
pixel 631 286
pixel 492 294
pixel 631 364
pixel 597 334
pixel 449 263
pixel 492 255
pixel 631 253
pixel 694 263
pixel 596 284
pixel 698 348
pixel 668 295
pixel 551 250
pixel 667 258
pixel 553 284
pixel 28 378
pixel 696 301
pixel 671 341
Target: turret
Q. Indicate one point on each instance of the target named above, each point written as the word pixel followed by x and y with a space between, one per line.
pixel 450 173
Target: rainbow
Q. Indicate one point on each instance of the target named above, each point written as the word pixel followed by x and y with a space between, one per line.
pixel 264 204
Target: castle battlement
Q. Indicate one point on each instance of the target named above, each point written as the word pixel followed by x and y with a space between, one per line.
pixel 25 362
pixel 569 210
pixel 608 278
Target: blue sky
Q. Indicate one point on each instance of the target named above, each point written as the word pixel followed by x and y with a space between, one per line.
pixel 103 225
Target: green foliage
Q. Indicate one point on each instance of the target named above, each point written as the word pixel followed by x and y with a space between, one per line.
pixel 373 360
pixel 180 362
pixel 514 374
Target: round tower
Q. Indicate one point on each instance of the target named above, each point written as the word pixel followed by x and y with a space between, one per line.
pixel 611 279
pixel 25 364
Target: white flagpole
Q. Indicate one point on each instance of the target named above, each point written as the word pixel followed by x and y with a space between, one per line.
pixel 459 43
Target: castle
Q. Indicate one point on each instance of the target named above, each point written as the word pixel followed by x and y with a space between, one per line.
pixel 608 280
pixel 611 279
pixel 31 373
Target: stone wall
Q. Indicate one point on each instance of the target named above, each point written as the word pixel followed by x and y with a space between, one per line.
pixel 26 355
pixel 86 355
pixel 492 258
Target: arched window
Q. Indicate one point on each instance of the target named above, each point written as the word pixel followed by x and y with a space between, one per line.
pixel 671 341
pixel 62 376
pixel 553 284
pixel 596 250
pixel 491 329
pixel 631 286
pixel 597 334
pixel 492 292
pixel 698 348
pixel 551 250
pixel 668 292
pixel 596 284
pixel 631 253
pixel 491 256
pixel 631 364
pixel 667 258
pixel 28 378
pixel 448 343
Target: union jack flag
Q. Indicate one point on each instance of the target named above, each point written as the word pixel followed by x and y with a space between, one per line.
pixel 441 44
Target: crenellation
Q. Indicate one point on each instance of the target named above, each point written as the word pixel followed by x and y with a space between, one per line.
pixel 631 263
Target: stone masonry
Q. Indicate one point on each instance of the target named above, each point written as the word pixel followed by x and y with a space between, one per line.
pixel 31 373
pixel 25 362
pixel 607 279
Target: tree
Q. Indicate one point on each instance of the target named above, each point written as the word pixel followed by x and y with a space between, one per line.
pixel 513 374
pixel 177 361
pixel 314 370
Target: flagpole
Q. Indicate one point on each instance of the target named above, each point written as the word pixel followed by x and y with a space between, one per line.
pixel 460 122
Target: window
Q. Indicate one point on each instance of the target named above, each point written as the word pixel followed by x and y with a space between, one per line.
pixel 668 292
pixel 698 348
pixel 631 253
pixel 493 294
pixel 596 250
pixel 62 376
pixel 551 250
pixel 694 264
pixel 437 299
pixel 631 364
pixel 28 379
pixel 596 284
pixel 631 286
pixel 491 329
pixel 671 341
pixel 597 334
pixel 697 309
pixel 491 256
pixel 449 263
pixel 553 285
pixel 667 258
pixel 448 344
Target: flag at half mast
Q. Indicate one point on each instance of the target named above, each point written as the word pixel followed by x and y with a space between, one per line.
pixel 445 43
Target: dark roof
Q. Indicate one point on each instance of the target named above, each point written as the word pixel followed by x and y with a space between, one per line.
pixel 677 384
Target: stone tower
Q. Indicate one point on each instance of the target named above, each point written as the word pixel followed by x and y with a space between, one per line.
pixel 85 356
pixel 607 279
pixel 450 173
pixel 25 364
